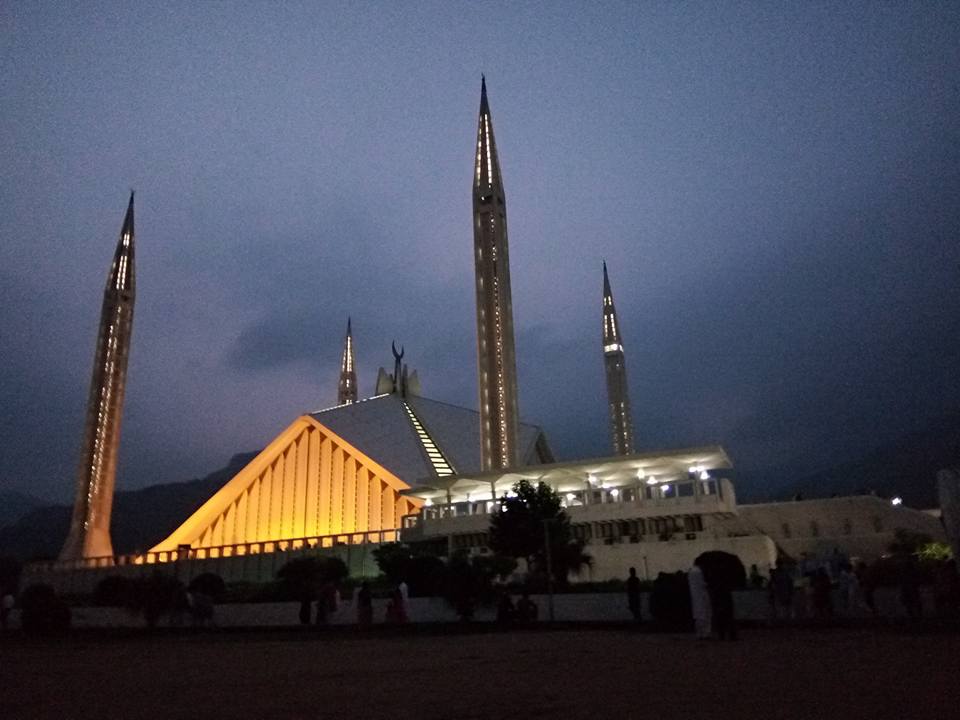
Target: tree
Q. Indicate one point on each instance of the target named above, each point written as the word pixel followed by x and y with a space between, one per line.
pixel 303 577
pixel 908 542
pixel 469 581
pixel 421 570
pixel 210 584
pixel 722 570
pixel 43 612
pixel 523 522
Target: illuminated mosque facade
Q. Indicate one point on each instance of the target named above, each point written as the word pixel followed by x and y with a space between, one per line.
pixel 400 466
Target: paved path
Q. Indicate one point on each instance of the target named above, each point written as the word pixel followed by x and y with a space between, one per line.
pixel 769 674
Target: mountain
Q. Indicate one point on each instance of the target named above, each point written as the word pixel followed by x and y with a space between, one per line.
pixel 14 505
pixel 906 468
pixel 141 518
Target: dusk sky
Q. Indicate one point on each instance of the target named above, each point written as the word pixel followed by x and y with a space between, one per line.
pixel 775 188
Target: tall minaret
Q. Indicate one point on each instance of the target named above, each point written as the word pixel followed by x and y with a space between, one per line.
pixel 347 389
pixel 621 425
pixel 496 357
pixel 90 526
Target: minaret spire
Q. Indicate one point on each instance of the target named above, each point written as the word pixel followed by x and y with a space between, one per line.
pixel 621 424
pixel 96 476
pixel 347 389
pixel 496 355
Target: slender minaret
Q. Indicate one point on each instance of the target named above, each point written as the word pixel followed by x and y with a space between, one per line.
pixel 496 357
pixel 347 390
pixel 621 426
pixel 90 526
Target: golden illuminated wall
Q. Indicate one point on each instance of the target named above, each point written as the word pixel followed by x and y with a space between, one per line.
pixel 308 482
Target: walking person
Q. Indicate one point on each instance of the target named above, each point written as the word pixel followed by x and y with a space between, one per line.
pixel 633 595
pixel 700 604
pixel 849 588
pixel 364 606
pixel 781 592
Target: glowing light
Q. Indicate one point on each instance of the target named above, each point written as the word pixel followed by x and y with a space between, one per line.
pixel 704 475
pixel 486 127
pixel 651 480
pixel 439 462
pixel 428 502
pixel 615 493
pixel 571 497
pixel 614 347
pixel 896 501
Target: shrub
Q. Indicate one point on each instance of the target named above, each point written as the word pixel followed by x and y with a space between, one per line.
pixel 42 612
pixel 209 584
pixel 117 591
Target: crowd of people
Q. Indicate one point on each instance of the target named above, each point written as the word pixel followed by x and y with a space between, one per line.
pixel 823 590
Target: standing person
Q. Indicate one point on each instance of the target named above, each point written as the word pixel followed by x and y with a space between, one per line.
pixel 910 589
pixel 633 595
pixel 849 588
pixel 868 584
pixel 305 604
pixel 526 609
pixel 700 605
pixel 364 606
pixel 506 612
pixel 781 592
pixel 821 589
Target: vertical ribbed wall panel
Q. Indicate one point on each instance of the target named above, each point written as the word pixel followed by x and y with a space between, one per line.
pixel 336 491
pixel 276 499
pixel 229 518
pixel 363 495
pixel 376 500
pixel 350 495
pixel 240 526
pixel 325 474
pixel 300 500
pixel 386 514
pixel 266 491
pixel 216 536
pixel 312 481
pixel 253 510
pixel 290 507
pixel 288 511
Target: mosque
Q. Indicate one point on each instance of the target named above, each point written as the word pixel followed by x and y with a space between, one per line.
pixel 398 466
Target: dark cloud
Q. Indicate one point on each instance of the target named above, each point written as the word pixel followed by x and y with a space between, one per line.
pixel 776 194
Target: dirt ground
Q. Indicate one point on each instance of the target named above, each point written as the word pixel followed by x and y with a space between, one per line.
pixel 610 673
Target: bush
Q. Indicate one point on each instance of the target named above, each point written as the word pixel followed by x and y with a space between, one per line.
pixel 209 584
pixel 117 591
pixel 159 595
pixel 42 612
pixel 303 577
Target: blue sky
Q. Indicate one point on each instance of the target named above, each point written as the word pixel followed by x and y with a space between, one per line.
pixel 775 188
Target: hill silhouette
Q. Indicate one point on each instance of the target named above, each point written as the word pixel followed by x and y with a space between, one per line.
pixel 906 468
pixel 141 518
pixel 14 505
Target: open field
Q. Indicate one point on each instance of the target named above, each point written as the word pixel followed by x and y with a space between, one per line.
pixel 771 674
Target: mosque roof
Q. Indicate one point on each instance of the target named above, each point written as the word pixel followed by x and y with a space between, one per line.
pixel 418 439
